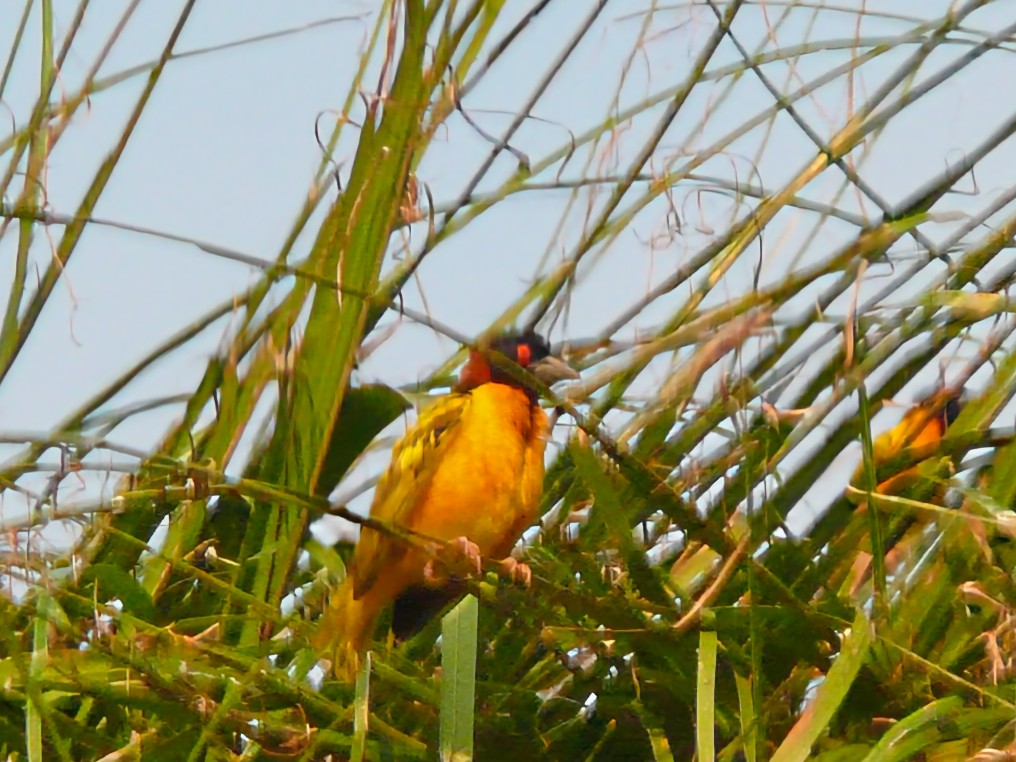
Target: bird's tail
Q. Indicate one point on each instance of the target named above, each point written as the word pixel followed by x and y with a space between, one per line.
pixel 345 629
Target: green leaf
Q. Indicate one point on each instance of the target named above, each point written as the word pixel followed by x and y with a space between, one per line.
pixel 47 609
pixel 607 511
pixel 910 736
pixel 365 412
pixel 657 734
pixel 458 680
pixel 747 717
pixel 361 711
pixel 705 714
pixel 33 715
pixel 115 582
pixel 796 747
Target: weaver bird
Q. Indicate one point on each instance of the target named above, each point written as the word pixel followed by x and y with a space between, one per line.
pixel 922 428
pixel 469 476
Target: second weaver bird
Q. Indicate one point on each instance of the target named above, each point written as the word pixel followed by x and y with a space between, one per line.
pixel 922 426
pixel 469 473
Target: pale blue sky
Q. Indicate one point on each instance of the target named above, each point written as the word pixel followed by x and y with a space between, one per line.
pixel 225 153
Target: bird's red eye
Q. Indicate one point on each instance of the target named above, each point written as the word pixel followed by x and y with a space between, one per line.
pixel 523 354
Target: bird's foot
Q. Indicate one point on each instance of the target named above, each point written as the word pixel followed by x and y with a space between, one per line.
pixel 459 557
pixel 434 572
pixel 519 573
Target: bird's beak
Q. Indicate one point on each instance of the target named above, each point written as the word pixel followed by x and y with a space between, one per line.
pixel 552 369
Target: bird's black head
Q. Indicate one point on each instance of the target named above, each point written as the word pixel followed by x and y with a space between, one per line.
pixel 952 409
pixel 522 349
pixel 528 350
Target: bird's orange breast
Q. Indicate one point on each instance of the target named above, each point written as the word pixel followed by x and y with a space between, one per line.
pixel 487 486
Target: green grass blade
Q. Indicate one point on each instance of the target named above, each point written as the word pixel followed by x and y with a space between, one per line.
pixel 814 721
pixel 361 711
pixel 749 726
pixel 705 706
pixel 33 714
pixel 366 411
pixel 911 736
pixel 458 680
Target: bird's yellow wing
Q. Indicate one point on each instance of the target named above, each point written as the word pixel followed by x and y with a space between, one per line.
pixel 415 459
pixel 922 425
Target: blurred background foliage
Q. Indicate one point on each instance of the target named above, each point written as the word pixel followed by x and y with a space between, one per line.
pixel 784 223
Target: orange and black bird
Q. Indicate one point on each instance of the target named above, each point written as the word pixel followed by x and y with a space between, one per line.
pixel 468 474
pixel 922 426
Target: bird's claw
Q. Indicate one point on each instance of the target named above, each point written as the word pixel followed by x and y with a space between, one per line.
pixel 469 554
pixel 519 573
pixel 434 574
pixel 459 557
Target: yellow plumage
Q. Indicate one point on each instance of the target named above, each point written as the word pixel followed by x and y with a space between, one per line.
pixel 922 425
pixel 472 466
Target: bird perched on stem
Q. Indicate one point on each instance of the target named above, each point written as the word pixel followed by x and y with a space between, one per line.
pixel 469 476
pixel 921 428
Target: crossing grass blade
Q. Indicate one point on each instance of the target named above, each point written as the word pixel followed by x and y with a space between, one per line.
pixel 705 715
pixel 361 711
pixel 814 721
